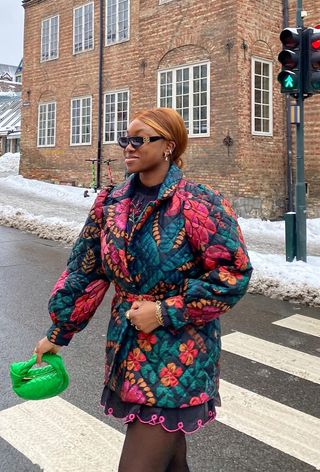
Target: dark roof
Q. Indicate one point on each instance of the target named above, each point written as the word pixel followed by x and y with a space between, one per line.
pixel 7 72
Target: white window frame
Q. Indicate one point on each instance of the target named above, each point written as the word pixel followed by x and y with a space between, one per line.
pixel 117 40
pixel 191 94
pixel 84 49
pixel 46 105
pixel 80 120
pixel 116 130
pixel 49 58
pixel 161 2
pixel 254 132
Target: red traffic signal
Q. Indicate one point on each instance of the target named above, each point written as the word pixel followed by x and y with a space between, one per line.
pixel 312 73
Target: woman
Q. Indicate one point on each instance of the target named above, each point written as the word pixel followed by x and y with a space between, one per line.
pixel 176 256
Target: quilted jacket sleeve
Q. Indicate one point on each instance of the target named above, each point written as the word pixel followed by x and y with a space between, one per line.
pixel 82 286
pixel 225 270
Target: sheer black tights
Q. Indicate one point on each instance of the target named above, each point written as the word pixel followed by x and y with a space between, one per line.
pixel 152 449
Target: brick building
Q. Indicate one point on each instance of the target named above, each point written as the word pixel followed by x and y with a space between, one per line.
pixel 89 65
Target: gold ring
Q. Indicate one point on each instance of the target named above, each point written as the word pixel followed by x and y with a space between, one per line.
pixel 128 315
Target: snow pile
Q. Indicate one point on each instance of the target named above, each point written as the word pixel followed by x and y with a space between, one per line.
pixel 9 163
pixel 28 205
pixel 52 192
pixel 295 281
pixel 54 229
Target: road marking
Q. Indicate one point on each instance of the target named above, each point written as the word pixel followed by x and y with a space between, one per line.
pixel 58 437
pixel 301 323
pixel 279 357
pixel 284 428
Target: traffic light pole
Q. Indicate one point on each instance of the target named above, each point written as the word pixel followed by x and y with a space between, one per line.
pixel 301 226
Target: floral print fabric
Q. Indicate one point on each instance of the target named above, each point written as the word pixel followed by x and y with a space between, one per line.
pixel 186 250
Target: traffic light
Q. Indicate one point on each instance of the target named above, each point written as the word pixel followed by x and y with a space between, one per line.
pixel 290 58
pixel 312 61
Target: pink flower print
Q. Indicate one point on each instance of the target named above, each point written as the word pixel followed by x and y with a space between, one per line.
pixel 60 283
pixel 213 254
pixel 118 258
pixel 132 393
pixel 86 305
pixel 203 397
pixel 121 216
pixel 198 223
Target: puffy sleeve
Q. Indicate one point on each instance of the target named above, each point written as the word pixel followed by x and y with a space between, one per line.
pixel 221 256
pixel 82 286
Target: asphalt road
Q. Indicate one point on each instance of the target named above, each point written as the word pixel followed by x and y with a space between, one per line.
pixel 28 269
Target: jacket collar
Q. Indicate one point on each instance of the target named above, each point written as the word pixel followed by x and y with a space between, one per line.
pixel 168 187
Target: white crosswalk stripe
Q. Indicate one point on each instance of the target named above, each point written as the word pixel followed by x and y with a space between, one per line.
pixel 277 425
pixel 60 437
pixel 303 324
pixel 279 357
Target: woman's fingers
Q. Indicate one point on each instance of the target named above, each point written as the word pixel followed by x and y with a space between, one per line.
pixel 135 305
pixel 142 316
pixel 43 346
pixel 39 356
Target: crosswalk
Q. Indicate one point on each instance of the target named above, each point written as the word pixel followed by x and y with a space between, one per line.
pixel 62 438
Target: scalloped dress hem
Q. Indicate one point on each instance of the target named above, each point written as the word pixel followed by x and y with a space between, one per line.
pixel 187 420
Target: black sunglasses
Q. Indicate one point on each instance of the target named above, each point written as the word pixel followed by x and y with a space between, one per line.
pixel 136 141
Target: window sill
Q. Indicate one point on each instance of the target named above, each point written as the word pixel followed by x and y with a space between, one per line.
pixel 117 42
pixel 80 144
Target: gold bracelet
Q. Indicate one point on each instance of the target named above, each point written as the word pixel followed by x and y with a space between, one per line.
pixel 159 316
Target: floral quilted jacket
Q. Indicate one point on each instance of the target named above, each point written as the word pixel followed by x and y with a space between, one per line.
pixel 186 250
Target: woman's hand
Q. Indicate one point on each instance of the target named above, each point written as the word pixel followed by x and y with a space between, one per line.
pixel 43 346
pixel 143 315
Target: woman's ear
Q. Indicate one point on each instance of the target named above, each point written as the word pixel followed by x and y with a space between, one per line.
pixel 172 146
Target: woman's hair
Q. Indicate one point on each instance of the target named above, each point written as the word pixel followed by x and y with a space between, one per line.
pixel 167 123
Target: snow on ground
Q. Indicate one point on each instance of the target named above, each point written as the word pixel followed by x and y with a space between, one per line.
pixel 58 212
pixel 9 163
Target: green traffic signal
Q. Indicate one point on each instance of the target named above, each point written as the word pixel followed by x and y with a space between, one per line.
pixel 288 82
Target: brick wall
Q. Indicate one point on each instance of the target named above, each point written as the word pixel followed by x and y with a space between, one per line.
pixel 251 172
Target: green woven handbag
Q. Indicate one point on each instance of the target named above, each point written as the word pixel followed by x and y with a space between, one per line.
pixel 40 382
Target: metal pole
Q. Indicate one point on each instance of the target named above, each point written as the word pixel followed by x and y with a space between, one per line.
pixel 301 226
pixel 289 130
pixel 100 96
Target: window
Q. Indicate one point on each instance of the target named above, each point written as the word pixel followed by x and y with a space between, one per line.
pixel 117 21
pixel 83 28
pixel 187 90
pixel 47 124
pixel 49 39
pixel 261 97
pixel 81 121
pixel 116 115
